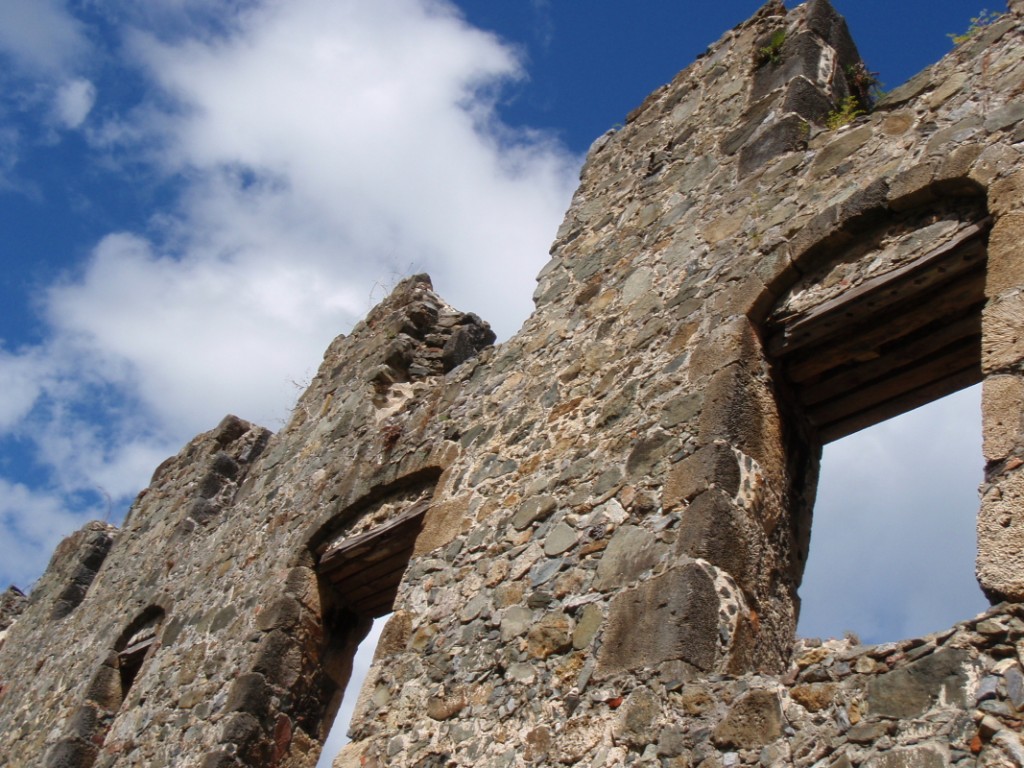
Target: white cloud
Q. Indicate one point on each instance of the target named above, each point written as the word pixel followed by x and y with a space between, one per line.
pixel 36 521
pixel 323 148
pixel 376 124
pixel 329 146
pixel 41 35
pixel 73 102
pixel 9 147
pixel 22 377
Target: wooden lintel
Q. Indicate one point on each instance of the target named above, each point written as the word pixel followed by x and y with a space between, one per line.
pixel 382 570
pixel 955 300
pixel 379 606
pixel 397 542
pixel 343 549
pixel 901 355
pixel 954 360
pixel 907 402
pixel 963 253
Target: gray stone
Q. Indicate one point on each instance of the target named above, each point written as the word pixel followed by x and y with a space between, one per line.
pixel 474 607
pixel 672 740
pixel 631 551
pixel 490 467
pixel 1015 686
pixel 560 539
pixel 672 616
pixel 515 621
pixel 638 721
pixel 841 148
pixel 647 452
pixel 533 510
pixel 715 463
pixel 868 732
pixel 788 134
pixel 988 687
pixel 753 721
pixel 586 626
pixel 522 673
pixel 909 692
pixel 712 528
pixel 681 409
pixel 1005 116
pixel 922 756
pixel 544 571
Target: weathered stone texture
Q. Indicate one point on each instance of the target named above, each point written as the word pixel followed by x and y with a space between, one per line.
pixel 592 535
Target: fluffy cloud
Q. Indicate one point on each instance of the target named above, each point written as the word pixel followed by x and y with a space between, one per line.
pixel 373 124
pixel 74 101
pixel 320 150
pixel 41 36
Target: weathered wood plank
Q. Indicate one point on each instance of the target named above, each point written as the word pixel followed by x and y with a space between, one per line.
pixel 378 606
pixel 862 344
pixel 955 360
pixel 361 575
pixel 964 253
pixel 907 402
pixel 398 541
pixel 900 355
pixel 345 548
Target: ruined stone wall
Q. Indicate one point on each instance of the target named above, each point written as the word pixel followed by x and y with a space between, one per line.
pixel 605 518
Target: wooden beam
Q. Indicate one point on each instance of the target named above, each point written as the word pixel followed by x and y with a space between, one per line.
pixel 963 253
pixel 397 541
pixel 903 353
pixel 898 406
pixel 362 543
pixel 379 571
pixel 955 360
pixel 929 311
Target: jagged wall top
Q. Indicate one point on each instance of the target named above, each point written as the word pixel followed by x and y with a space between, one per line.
pixel 613 506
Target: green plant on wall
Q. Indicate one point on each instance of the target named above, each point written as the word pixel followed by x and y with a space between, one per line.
pixel 978 23
pixel 772 52
pixel 864 85
pixel 864 91
pixel 849 109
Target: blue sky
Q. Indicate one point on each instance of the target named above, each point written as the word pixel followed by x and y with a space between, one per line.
pixel 197 195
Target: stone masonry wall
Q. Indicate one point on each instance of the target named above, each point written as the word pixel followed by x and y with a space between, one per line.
pixel 612 508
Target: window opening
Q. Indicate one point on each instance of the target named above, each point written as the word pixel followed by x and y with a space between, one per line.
pixel 361 558
pixel 855 355
pixel 884 318
pixel 893 540
pixel 131 658
pixel 338 735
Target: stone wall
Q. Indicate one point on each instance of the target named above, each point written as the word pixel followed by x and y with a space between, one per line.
pixel 604 519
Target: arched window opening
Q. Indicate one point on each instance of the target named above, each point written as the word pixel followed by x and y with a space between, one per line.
pixel 893 544
pixel 360 559
pixel 883 320
pixel 134 648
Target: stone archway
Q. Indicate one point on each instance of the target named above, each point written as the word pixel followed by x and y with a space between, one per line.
pixel 108 692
